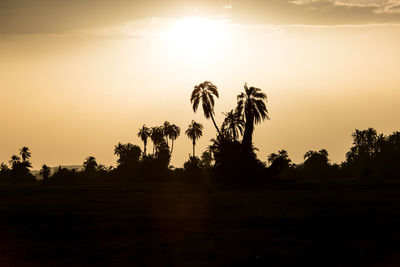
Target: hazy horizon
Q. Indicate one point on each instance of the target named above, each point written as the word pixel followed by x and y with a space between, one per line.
pixel 79 77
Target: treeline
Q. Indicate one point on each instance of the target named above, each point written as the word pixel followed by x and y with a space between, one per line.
pixel 230 158
pixel 372 157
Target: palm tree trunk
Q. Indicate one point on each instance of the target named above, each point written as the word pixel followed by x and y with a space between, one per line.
pixel 234 134
pixel 172 146
pixel 248 133
pixel 144 149
pixel 194 145
pixel 216 127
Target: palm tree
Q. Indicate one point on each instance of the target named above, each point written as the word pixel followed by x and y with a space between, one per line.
pixel 173 134
pixel 194 132
pixel 90 164
pixel 144 133
pixel 205 93
pixel 309 154
pixel 119 149
pixel 233 124
pixel 283 153
pixel 166 129
pixel 252 105
pixel 45 172
pixel 157 136
pixel 25 153
pixel 14 161
pixel 272 157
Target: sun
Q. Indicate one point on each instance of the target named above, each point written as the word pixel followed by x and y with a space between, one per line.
pixel 197 38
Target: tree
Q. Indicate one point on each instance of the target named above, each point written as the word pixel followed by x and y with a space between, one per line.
pixel 252 105
pixel 129 155
pixel 166 127
pixel 205 93
pixel 45 172
pixel 316 159
pixel 14 161
pixel 206 158
pixel 25 153
pixel 194 132
pixel 279 162
pixel 4 170
pixel 90 164
pixel 144 134
pixel 233 124
pixel 157 136
pixel 173 134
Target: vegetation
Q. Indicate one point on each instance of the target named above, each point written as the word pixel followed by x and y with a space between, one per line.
pixel 194 132
pixel 229 158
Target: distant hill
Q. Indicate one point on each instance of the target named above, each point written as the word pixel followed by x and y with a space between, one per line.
pixel 53 169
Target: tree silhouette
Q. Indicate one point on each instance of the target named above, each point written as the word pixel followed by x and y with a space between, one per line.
pixel 157 137
pixel 14 161
pixel 233 124
pixel 194 132
pixel 315 160
pixel 25 153
pixel 205 93
pixel 90 164
pixel 144 134
pixel 166 127
pixel 173 134
pixel 252 105
pixel 206 158
pixel 129 154
pixel 279 162
pixel 45 172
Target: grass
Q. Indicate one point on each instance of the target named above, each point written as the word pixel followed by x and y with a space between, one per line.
pixel 198 225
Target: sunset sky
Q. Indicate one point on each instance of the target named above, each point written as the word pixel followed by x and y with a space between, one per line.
pixel 77 77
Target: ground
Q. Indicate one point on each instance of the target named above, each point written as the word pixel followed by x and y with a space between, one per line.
pixel 200 225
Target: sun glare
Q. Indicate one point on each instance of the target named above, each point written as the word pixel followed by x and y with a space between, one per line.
pixel 197 38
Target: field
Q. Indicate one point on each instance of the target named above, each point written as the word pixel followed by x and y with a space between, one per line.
pixel 199 225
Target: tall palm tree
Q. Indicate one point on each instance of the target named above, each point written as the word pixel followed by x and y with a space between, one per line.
pixel 233 124
pixel 45 172
pixel 157 136
pixel 166 130
pixel 144 134
pixel 25 153
pixel 194 132
pixel 174 133
pixel 205 93
pixel 252 105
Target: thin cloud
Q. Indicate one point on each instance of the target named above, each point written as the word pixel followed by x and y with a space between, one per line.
pixel 64 16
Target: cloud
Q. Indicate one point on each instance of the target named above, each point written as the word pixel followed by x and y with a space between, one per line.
pixel 62 16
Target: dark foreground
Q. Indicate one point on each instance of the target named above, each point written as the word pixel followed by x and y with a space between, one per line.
pixel 191 225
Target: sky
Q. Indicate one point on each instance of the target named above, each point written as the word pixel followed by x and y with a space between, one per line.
pixel 77 77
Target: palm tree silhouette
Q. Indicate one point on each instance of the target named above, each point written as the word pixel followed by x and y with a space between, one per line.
pixel 25 153
pixel 157 136
pixel 194 132
pixel 251 104
pixel 90 164
pixel 173 134
pixel 119 149
pixel 205 93
pixel 166 129
pixel 233 124
pixel 45 172
pixel 144 133
pixel 14 161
